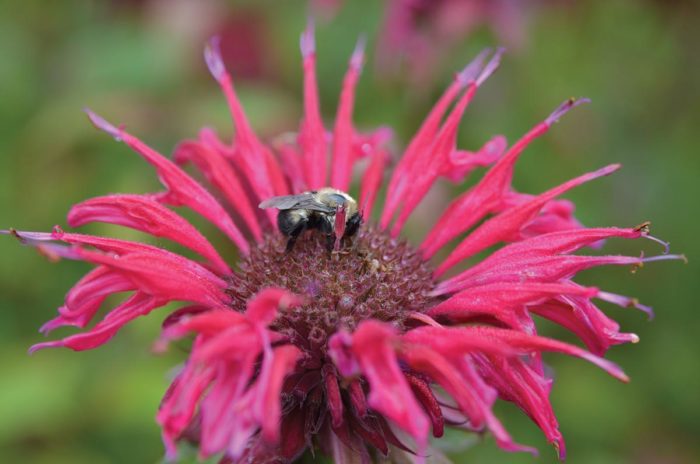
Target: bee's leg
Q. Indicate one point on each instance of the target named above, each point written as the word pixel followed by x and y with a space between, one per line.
pixel 292 226
pixel 293 237
pixel 330 242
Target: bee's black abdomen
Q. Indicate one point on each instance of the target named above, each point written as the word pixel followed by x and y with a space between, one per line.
pixel 287 222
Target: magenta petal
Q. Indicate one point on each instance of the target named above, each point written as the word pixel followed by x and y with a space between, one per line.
pixel 263 308
pixel 506 226
pixel 142 213
pixel 389 393
pixel 219 172
pixel 312 134
pixel 165 275
pixel 485 197
pixel 137 305
pixel 343 132
pixel 182 189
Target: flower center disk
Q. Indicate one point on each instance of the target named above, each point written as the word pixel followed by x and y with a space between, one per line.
pixel 375 276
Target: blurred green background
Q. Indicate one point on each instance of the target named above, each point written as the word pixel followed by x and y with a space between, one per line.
pixel 139 62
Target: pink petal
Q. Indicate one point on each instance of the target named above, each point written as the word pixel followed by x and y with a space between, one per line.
pixel 257 163
pixel 220 174
pixel 372 181
pixel 423 359
pixel 502 300
pixel 509 263
pixel 343 132
pixel 312 135
pixel 485 197
pixel 506 226
pixel 268 405
pixel 165 275
pixel 433 161
pixel 461 162
pixel 421 141
pixel 389 393
pixel 86 297
pixel 263 307
pixel 518 383
pixel 182 189
pixel 142 213
pixel 138 305
pixel 528 343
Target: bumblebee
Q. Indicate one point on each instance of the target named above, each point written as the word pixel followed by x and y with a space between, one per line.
pixel 316 209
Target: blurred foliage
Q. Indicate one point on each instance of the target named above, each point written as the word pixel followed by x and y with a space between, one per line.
pixel 139 62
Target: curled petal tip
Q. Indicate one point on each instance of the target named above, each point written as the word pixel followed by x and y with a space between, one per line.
pixel 102 124
pixel 491 66
pixel 307 41
pixel 565 108
pixel 212 56
pixel 40 346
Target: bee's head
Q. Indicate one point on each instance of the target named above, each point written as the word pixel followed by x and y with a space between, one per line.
pixel 353 223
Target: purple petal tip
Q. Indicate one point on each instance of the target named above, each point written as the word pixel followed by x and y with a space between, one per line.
pixel 307 42
pixel 565 108
pixel 358 55
pixel 471 71
pixel 212 56
pixel 40 346
pixel 491 66
pixel 102 124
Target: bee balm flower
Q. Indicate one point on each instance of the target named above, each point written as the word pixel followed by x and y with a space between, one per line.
pixel 368 350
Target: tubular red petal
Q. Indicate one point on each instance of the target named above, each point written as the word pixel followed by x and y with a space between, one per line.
pixel 138 305
pixel 425 360
pixel 400 182
pixel 518 383
pixel 340 351
pixel 291 160
pixel 461 163
pixel 86 297
pixel 263 307
pixel 371 181
pixel 432 162
pixel 503 299
pixel 528 343
pixel 257 163
pixel 506 226
pixel 182 189
pixel 343 132
pixel 142 213
pixel 312 135
pixel 268 405
pixel 207 324
pixel 221 175
pixel 389 393
pixel 485 197
pixel 165 275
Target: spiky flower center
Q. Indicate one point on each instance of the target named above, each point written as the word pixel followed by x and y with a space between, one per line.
pixel 375 276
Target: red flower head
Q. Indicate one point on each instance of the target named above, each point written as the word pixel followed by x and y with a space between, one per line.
pixel 364 348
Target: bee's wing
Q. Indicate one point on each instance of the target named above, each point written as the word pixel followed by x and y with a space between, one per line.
pixel 301 201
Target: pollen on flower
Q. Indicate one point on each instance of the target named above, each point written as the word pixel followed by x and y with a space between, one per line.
pixel 375 277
